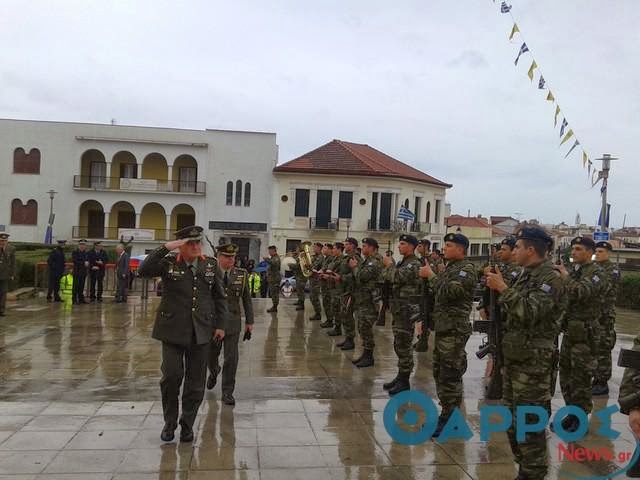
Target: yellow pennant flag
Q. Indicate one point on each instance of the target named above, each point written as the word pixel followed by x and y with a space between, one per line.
pixel 593 177
pixel 584 159
pixel 513 31
pixel 567 136
pixel 533 66
pixel 550 97
pixel 555 119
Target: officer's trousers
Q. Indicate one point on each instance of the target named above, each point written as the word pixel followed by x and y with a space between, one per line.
pixel 4 288
pixel 188 363
pixel 230 366
pixel 79 280
pixel 96 279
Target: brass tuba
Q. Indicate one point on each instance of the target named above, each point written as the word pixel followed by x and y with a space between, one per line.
pixel 305 259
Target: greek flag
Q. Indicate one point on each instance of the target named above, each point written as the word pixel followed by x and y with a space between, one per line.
pixel 523 49
pixel 504 8
pixel 406 214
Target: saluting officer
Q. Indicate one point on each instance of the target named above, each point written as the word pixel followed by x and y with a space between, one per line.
pixel 192 310
pixel 7 269
pixel 236 286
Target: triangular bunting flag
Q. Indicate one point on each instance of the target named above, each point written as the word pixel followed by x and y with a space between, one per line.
pixel 550 97
pixel 593 177
pixel 514 30
pixel 575 144
pixel 567 136
pixel 564 125
pixel 589 169
pixel 541 83
pixel 533 66
pixel 523 49
pixel 584 159
pixel 555 119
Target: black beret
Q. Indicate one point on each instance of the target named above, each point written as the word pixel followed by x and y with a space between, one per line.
pixel 409 239
pixel 62 242
pixel 370 241
pixel 192 233
pixel 228 249
pixel 352 241
pixel 424 241
pixel 328 245
pixel 606 245
pixel 271 247
pixel 339 245
pixel 509 241
pixel 585 241
pixel 457 238
pixel 4 236
pixel 533 233
pixel 318 244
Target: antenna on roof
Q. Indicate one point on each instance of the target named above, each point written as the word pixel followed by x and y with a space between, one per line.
pixel 113 121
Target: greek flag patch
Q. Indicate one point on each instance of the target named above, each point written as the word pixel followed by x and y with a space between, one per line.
pixel 595 279
pixel 545 288
pixel 514 274
pixel 463 274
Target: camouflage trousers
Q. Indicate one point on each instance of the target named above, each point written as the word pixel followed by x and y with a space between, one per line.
pixel 366 315
pixel 327 303
pixel 402 327
pixel 343 314
pixel 449 365
pixel 606 342
pixel 274 291
pixel 301 281
pixel 527 383
pixel 577 365
pixel 315 295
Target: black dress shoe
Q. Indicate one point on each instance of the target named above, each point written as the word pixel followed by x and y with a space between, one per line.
pixel 228 399
pixel 186 434
pixel 168 434
pixel 213 379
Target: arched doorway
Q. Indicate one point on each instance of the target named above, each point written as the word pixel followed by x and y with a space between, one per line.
pixel 185 174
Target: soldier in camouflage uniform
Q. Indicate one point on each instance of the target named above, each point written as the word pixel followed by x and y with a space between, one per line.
pixel 346 287
pixel 630 385
pixel 7 269
pixel 301 280
pixel 584 287
pixel 530 308
pixel 326 285
pixel 273 277
pixel 366 276
pixel 335 290
pixel 314 280
pixel 453 289
pixel 422 344
pixel 607 339
pixel 405 286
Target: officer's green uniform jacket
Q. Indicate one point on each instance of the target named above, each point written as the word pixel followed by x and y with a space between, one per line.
pixel 631 379
pixel 7 262
pixel 238 292
pixel 192 307
pixel 583 287
pixel 453 290
pixel 531 308
pixel 273 269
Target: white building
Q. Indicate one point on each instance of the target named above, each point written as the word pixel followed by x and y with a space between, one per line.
pixel 347 189
pixel 114 181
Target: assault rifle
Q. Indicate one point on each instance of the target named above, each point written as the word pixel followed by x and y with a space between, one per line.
pixel 385 293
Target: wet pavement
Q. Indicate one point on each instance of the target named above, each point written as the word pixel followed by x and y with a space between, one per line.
pixel 79 399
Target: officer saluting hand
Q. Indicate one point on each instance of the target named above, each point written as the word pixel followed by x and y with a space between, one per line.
pixel 192 310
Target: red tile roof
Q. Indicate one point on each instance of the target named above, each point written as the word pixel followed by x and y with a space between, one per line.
pixel 346 158
pixel 498 219
pixel 459 220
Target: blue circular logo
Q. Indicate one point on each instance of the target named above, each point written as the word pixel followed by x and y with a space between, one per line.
pixel 412 401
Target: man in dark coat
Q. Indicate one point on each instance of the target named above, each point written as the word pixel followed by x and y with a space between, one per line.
pixel 56 270
pixel 97 263
pixel 80 258
pixel 122 274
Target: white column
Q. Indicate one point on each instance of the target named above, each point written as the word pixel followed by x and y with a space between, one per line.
pixel 335 197
pixel 377 219
pixel 170 179
pixel 168 228
pixel 106 225
pixel 139 172
pixel 137 220
pixel 313 202
pixel 108 172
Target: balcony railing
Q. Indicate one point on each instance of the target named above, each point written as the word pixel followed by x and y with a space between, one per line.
pixel 139 184
pixel 115 233
pixel 324 224
pixel 420 227
pixel 374 225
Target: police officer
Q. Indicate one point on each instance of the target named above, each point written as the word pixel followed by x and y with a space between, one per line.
pixel 273 277
pixel 7 269
pixel 607 337
pixel 55 262
pixel 530 313
pixel 314 280
pixel 453 291
pixel 366 275
pixel 97 264
pixel 80 259
pixel 236 285
pixel 192 310
pixel 584 287
pixel 405 286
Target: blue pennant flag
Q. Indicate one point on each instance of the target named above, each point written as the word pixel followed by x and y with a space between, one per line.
pixel 523 49
pixel 541 82
pixel 504 8
pixel 564 125
pixel 406 214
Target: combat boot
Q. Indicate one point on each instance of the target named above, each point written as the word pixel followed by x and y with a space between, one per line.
pixel 401 385
pixel 422 345
pixel 366 360
pixel 442 421
pixel 390 384
pixel 326 324
pixel 348 344
pixel 317 316
pixel 335 332
pixel 273 309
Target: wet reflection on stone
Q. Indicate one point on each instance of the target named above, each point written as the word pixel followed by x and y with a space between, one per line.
pixel 79 398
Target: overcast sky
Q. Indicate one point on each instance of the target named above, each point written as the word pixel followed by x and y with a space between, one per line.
pixel 431 83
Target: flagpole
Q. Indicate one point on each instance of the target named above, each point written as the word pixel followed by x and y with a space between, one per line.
pixel 604 175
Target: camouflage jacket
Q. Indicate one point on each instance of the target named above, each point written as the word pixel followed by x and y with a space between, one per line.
pixel 405 282
pixel 453 289
pixel 631 379
pixel 316 264
pixel 366 277
pixel 583 287
pixel 611 274
pixel 346 284
pixel 531 308
pixel 273 269
pixel 327 264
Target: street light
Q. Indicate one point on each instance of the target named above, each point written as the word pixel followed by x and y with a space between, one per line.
pixel 48 237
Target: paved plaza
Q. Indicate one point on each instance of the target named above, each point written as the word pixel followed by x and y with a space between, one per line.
pixel 79 399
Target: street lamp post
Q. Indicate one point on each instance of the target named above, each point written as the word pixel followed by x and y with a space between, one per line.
pixel 49 234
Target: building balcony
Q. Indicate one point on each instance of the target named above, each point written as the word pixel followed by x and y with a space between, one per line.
pixel 383 225
pixel 116 233
pixel 420 227
pixel 146 185
pixel 324 224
